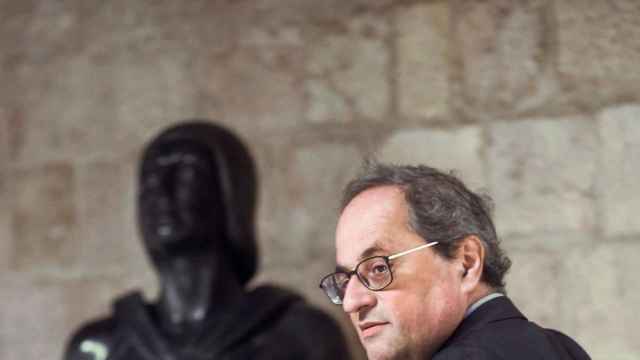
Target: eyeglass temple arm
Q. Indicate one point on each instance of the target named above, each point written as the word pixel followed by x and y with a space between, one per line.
pixel 391 257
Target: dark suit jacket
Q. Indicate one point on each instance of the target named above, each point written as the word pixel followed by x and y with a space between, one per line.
pixel 497 330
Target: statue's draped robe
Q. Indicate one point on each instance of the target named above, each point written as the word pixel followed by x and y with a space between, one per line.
pixel 244 331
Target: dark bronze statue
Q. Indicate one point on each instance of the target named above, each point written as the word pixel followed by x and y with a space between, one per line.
pixel 196 205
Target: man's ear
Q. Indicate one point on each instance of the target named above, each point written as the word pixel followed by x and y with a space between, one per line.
pixel 470 255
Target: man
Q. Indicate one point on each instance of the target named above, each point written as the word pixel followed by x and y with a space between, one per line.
pixel 420 272
pixel 196 204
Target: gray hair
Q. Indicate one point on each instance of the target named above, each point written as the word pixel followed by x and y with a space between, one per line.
pixel 442 209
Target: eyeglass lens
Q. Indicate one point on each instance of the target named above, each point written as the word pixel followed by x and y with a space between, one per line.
pixel 374 273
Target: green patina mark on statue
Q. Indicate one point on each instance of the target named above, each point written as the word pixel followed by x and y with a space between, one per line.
pixel 98 350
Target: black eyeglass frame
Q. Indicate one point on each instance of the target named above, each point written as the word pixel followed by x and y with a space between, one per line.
pixel 387 259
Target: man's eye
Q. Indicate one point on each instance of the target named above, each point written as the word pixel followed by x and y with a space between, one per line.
pixel 379 269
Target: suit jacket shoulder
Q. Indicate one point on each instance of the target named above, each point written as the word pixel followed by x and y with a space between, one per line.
pixel 497 330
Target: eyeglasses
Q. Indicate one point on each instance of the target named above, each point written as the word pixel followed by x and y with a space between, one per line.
pixel 373 272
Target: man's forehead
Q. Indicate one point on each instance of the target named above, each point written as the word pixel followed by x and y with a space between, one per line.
pixel 367 225
pixel 348 258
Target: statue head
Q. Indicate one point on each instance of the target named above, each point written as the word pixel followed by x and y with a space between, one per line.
pixel 197 194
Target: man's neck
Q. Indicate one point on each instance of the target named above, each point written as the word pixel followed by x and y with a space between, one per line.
pixel 479 292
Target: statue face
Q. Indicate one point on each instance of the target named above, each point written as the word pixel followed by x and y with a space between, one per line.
pixel 180 206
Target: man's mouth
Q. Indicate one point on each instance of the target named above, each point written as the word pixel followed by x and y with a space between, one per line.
pixel 368 329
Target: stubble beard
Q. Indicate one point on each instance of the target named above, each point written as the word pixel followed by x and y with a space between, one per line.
pixel 398 348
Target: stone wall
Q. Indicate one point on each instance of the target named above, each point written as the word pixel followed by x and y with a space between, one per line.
pixel 535 102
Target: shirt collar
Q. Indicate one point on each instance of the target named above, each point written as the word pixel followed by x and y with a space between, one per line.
pixel 481 301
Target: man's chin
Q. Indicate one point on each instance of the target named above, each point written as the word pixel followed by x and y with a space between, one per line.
pixel 378 345
pixel 380 353
pixel 388 345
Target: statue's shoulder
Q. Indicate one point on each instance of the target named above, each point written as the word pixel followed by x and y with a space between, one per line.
pixel 295 310
pixel 306 313
pixel 96 339
pixel 308 326
pixel 92 341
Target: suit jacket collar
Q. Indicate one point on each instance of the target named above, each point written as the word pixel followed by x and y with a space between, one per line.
pixel 498 309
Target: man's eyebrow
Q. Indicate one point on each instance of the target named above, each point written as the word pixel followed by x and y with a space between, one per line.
pixel 375 249
pixel 372 250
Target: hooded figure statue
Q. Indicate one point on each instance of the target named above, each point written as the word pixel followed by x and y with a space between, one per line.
pixel 196 205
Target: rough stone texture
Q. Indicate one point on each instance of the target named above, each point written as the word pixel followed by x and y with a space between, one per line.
pixel 618 181
pixel 458 150
pixel 353 64
pixel 250 96
pixel 103 210
pixel 601 289
pixel 304 226
pixel 6 246
pixel 54 83
pixel 5 223
pixel 506 56
pixel 312 86
pixel 44 218
pixel 542 174
pixel 423 60
pixel 599 50
pixel 39 315
pixel 325 104
pixel 49 121
pixel 4 140
pixel 533 285
pixel 154 90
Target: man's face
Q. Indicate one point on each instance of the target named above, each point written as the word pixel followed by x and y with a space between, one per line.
pixel 423 305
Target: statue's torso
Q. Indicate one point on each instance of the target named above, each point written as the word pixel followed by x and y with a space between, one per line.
pixel 269 324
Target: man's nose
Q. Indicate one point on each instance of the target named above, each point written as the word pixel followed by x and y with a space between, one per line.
pixel 357 297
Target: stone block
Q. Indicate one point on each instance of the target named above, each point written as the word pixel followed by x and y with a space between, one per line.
pixel 272 203
pixel 533 284
pixel 6 245
pixel 598 50
pixel 302 226
pixel 600 293
pixel 48 119
pixel 618 180
pixel 423 55
pixel 55 77
pixel 547 242
pixel 44 220
pixel 353 65
pixel 325 103
pixel 5 220
pixel 108 239
pixel 155 89
pixel 459 150
pixel 37 33
pixel 248 95
pixel 277 46
pixel 505 54
pixel 4 140
pixel 318 176
pixel 38 316
pixel 541 175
